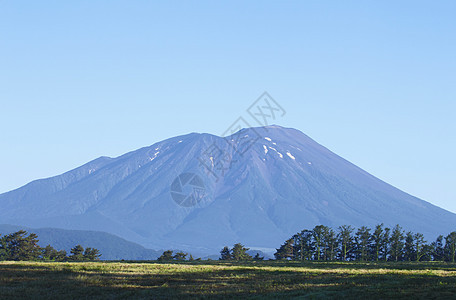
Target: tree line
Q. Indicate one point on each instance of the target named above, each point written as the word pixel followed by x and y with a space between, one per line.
pixel 20 246
pixel 381 243
pixel 169 255
pixel 347 243
pixel 322 243
pixel 238 253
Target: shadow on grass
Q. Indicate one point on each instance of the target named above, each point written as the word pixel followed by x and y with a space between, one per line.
pixel 327 265
pixel 201 280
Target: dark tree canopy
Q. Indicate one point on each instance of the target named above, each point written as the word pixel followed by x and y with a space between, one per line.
pixel 22 246
pixel 166 256
pixel 365 244
pixel 225 253
pixel 238 252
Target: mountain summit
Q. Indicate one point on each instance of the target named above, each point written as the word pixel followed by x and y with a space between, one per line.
pixel 199 192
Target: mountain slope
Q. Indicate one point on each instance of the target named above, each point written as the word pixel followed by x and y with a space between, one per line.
pixel 111 247
pixel 277 181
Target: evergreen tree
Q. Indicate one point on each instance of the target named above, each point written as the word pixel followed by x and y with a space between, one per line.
pixel 362 243
pixel 91 254
pixel 409 247
pixel 396 243
pixel 345 239
pixel 77 253
pixel 239 252
pixel 20 246
pixel 318 233
pixel 296 246
pixel 225 253
pixel 191 258
pixel 427 252
pixel 330 245
pixel 49 253
pixel 450 246
pixel 303 245
pixel 166 256
pixel 421 250
pixel 180 256
pixel 4 251
pixel 61 255
pixel 437 249
pixel 30 248
pixel 376 242
pixel 286 251
pixel 386 244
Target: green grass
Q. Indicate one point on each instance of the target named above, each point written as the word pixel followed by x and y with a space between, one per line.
pixel 269 279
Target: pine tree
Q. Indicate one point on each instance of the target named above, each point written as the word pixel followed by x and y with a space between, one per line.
pixel 377 242
pixel 225 254
pixel 61 255
pixel 4 253
pixel 331 243
pixel 409 247
pixel 386 245
pixel 166 256
pixel 397 243
pixel 362 243
pixel 77 253
pixel 20 246
pixel 303 245
pixel 318 233
pixel 239 252
pixel 420 246
pixel 427 252
pixel 450 246
pixel 180 256
pixel 437 249
pixel 285 251
pixel 91 254
pixel 191 258
pixel 345 239
pixel 49 253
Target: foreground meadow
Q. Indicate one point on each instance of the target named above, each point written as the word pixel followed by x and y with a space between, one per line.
pixel 268 279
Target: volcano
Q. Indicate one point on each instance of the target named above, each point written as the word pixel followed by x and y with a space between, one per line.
pixel 200 192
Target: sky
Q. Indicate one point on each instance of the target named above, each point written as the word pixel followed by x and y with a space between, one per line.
pixel 373 81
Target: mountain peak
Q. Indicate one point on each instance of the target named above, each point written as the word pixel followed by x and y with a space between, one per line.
pixel 257 186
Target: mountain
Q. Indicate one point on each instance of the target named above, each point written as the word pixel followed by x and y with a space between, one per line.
pixel 200 192
pixel 111 247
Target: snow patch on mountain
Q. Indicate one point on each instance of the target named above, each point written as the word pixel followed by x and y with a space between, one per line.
pixel 291 156
pixel 280 154
pixel 155 155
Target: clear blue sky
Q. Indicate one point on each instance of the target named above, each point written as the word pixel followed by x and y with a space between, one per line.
pixel 374 81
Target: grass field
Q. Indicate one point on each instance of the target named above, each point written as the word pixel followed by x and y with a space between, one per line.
pixel 268 279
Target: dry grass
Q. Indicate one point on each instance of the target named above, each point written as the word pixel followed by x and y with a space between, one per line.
pixel 119 280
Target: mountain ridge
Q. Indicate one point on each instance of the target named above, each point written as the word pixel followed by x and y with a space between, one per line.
pixel 276 181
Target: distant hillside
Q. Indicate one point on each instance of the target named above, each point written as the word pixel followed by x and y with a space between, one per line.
pixel 111 247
